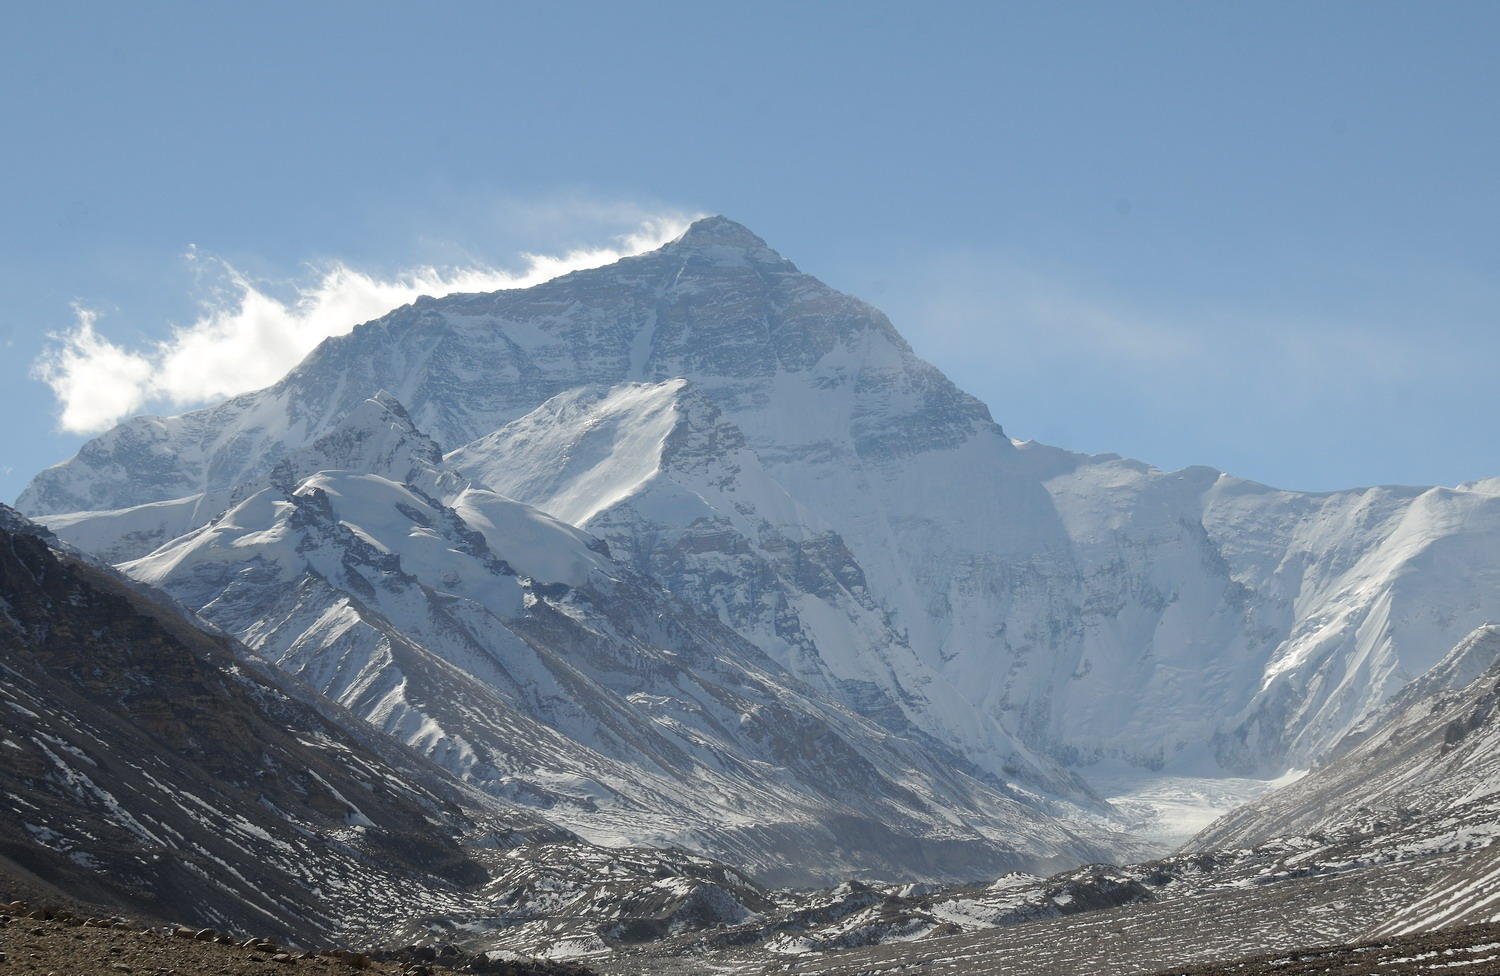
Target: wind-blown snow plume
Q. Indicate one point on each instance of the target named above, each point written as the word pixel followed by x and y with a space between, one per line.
pixel 247 338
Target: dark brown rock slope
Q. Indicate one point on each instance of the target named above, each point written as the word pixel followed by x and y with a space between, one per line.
pixel 149 765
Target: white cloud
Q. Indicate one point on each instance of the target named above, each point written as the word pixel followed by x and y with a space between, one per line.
pixel 247 338
pixel 94 380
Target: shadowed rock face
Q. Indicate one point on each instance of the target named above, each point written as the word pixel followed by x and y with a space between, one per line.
pixel 144 764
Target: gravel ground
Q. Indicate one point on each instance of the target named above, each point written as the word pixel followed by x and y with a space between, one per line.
pixel 67 949
pixel 69 944
pixel 1467 951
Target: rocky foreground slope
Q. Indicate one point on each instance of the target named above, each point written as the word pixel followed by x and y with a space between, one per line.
pixel 146 765
pixel 1467 951
pixel 37 941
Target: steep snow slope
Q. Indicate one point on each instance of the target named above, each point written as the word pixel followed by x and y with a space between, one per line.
pixel 584 450
pixel 1294 614
pixel 865 522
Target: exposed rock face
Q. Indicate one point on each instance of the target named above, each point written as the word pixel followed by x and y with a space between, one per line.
pixel 771 451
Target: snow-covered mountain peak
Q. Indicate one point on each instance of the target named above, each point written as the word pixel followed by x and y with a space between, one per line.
pixel 377 428
pixel 579 452
pixel 720 232
pixel 785 356
pixel 383 404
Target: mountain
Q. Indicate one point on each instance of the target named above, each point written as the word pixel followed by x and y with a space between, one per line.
pixel 154 767
pixel 508 647
pixel 774 455
pixel 672 486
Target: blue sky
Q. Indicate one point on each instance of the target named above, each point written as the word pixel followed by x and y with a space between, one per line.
pixel 1257 236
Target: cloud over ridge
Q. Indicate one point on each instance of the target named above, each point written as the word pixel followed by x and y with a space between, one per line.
pixel 246 338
